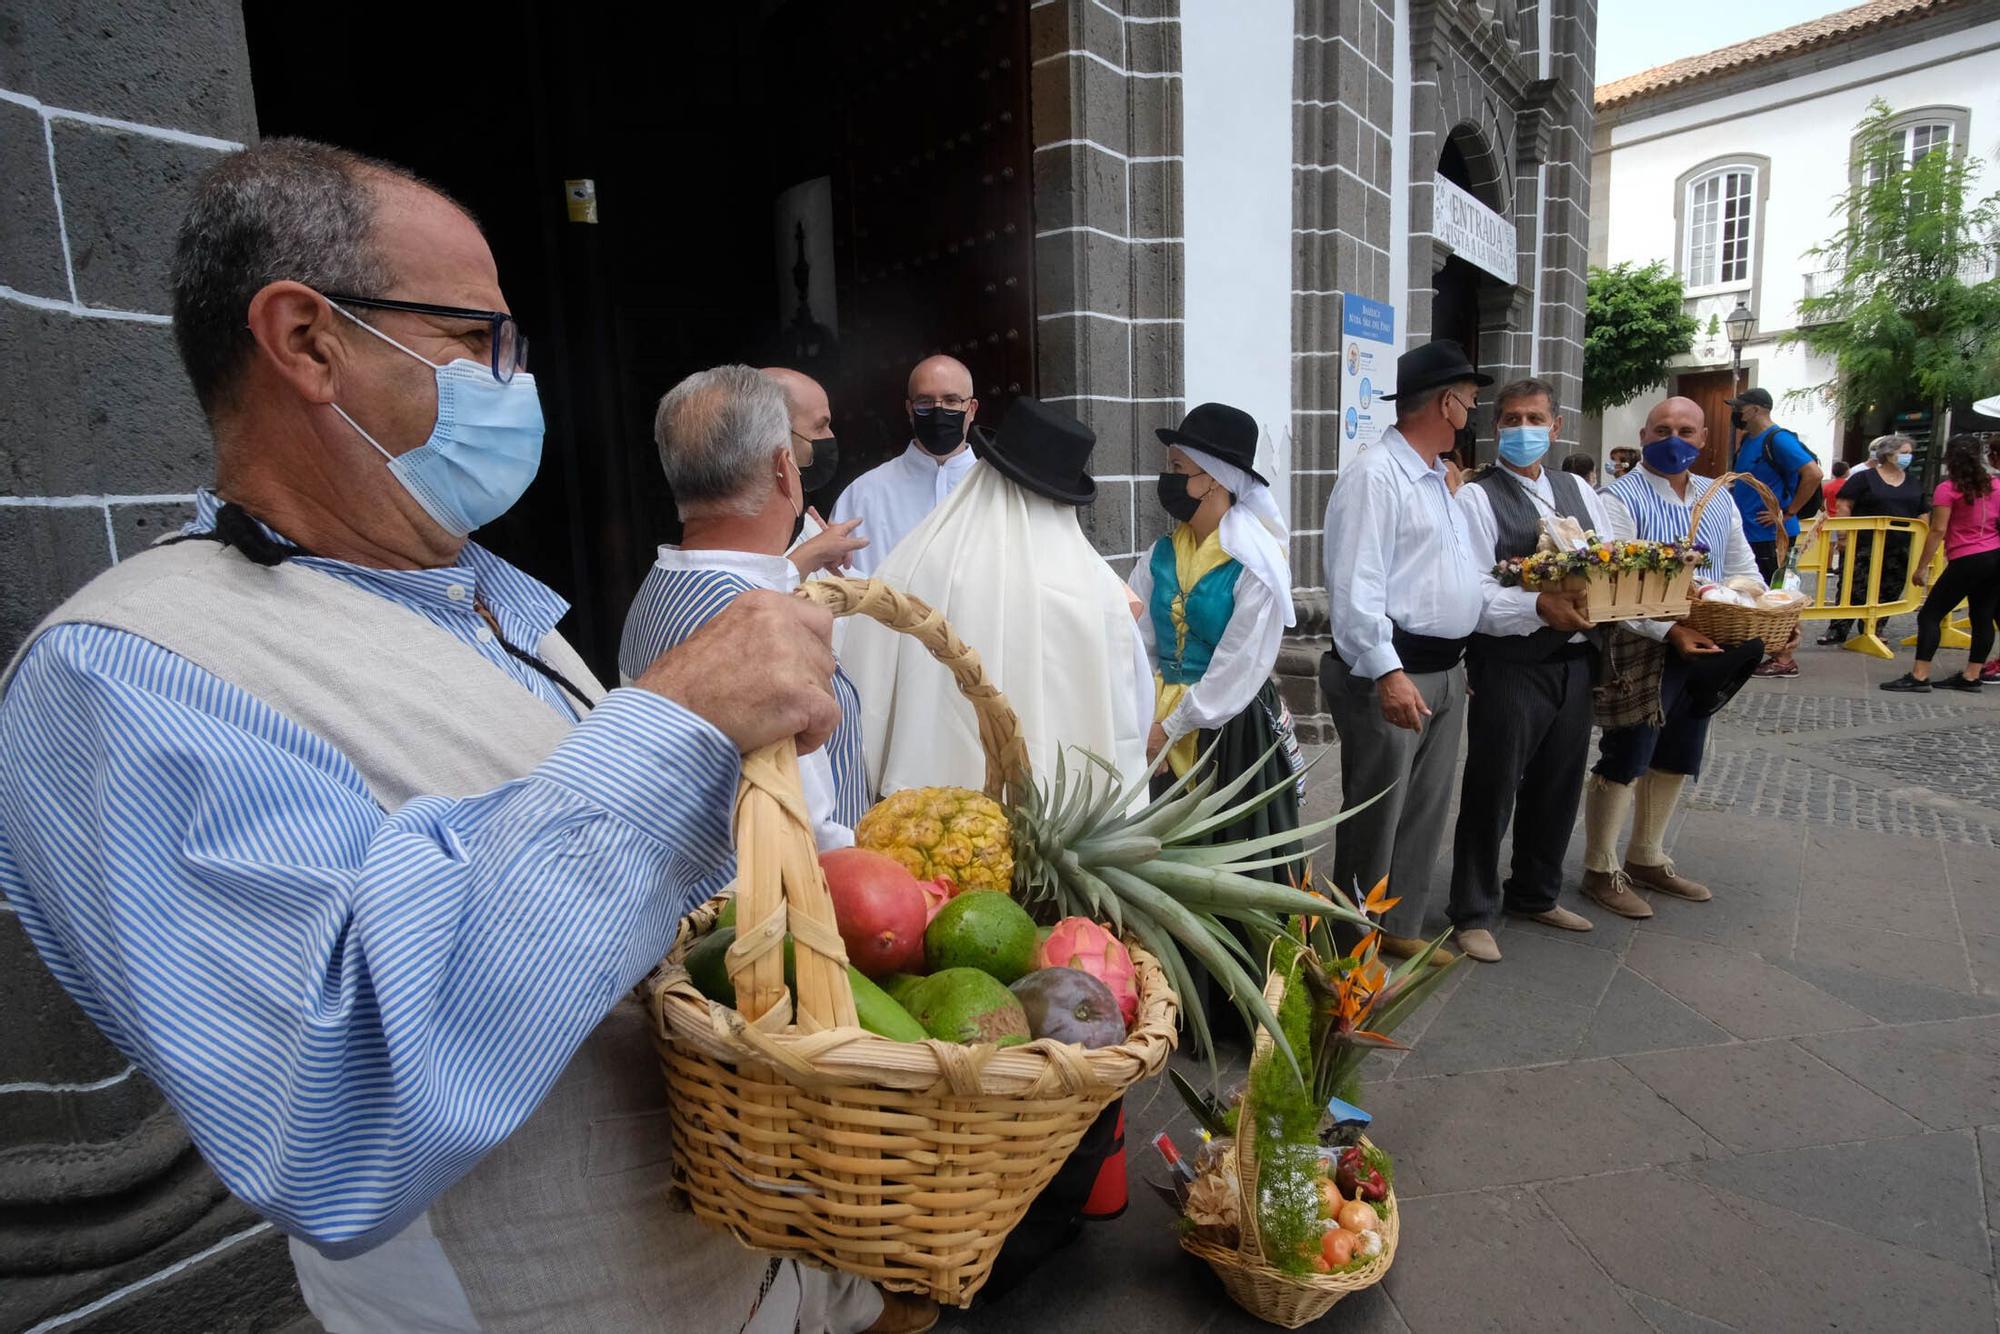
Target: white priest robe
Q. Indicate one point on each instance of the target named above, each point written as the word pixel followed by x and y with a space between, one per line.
pixel 1019 582
pixel 892 499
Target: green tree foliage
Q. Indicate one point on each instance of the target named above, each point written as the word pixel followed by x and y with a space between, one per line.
pixel 1636 323
pixel 1908 314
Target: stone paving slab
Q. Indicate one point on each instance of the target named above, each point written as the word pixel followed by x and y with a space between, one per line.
pixel 1767 1095
pixel 1753 1266
pixel 1503 1128
pixel 1947 1074
pixel 1637 1016
pixel 1738 991
pixel 1924 959
pixel 1921 1191
pixel 1887 999
pixel 1513 1253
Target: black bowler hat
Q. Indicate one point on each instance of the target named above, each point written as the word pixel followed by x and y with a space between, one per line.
pixel 1751 398
pixel 1216 428
pixel 1042 448
pixel 1435 363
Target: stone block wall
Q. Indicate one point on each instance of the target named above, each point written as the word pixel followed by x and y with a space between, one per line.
pixel 1105 99
pixel 1342 54
pixel 108 109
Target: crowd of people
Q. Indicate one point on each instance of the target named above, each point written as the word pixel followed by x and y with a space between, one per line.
pixel 320 820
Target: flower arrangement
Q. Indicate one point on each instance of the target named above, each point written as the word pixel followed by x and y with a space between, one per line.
pixel 1597 558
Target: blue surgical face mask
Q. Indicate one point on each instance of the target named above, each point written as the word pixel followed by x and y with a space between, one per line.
pixel 482 454
pixel 1903 460
pixel 1671 455
pixel 1523 445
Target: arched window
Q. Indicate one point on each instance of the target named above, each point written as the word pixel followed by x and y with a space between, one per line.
pixel 1719 223
pixel 1920 131
pixel 1719 227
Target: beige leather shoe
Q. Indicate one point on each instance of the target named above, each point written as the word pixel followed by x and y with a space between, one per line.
pixel 1477 943
pixel 1612 890
pixel 1562 919
pixel 1409 947
pixel 1668 881
pixel 904 1313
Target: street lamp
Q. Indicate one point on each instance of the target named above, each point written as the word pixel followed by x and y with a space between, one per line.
pixel 1742 322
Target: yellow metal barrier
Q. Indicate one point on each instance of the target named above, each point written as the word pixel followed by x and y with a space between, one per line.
pixel 1833 596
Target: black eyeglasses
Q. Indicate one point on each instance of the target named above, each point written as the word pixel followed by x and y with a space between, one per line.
pixel 507 345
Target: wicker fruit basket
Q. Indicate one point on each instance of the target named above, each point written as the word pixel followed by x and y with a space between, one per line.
pixel 1253 1283
pixel 1731 625
pixel 905 1162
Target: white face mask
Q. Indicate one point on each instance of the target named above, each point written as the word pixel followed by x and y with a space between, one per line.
pixel 484 450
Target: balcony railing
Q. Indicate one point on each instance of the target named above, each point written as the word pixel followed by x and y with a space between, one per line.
pixel 1976 269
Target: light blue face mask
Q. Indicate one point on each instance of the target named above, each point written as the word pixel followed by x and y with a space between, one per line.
pixel 1523 445
pixel 1903 460
pixel 482 454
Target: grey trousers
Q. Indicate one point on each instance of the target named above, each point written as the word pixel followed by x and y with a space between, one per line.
pixel 1527 735
pixel 1399 836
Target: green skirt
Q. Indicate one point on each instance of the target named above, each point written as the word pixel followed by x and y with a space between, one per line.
pixel 1240 744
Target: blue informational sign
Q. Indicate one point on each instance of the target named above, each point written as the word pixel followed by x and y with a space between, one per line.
pixel 1362 318
pixel 1367 360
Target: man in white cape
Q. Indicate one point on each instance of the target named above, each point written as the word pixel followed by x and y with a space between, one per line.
pixel 1005 561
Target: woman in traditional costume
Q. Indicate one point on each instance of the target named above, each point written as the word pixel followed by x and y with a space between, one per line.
pixel 1215 600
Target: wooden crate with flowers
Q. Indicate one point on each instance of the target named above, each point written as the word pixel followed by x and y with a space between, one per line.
pixel 1287 1200
pixel 868 1060
pixel 1612 580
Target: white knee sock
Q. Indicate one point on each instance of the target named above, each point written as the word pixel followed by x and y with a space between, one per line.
pixel 1605 804
pixel 1659 793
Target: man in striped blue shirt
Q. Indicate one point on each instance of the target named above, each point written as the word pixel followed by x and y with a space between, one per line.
pixel 731 458
pixel 320 820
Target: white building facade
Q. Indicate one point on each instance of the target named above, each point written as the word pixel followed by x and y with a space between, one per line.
pixel 1729 167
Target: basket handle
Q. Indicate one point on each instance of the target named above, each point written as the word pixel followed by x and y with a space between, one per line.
pixel 1246 1134
pixel 1723 483
pixel 780 887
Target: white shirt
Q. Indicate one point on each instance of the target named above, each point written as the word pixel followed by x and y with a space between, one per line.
pixel 1243 659
pixel 1737 558
pixel 1397 551
pixel 892 499
pixel 779 575
pixel 1511 611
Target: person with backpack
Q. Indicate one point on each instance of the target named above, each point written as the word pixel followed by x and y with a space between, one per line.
pixel 1775 457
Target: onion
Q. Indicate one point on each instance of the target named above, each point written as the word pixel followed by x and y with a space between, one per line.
pixel 1358 1217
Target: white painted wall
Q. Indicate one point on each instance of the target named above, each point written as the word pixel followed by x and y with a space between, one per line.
pixel 1236 89
pixel 1805 125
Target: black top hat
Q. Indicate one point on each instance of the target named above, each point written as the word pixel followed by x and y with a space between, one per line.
pixel 1431 364
pixel 1749 398
pixel 1216 428
pixel 1043 449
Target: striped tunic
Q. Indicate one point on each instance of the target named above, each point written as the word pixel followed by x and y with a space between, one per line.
pixel 685 590
pixel 1660 516
pixel 337 999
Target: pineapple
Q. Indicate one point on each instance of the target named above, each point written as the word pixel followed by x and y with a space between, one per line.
pixel 1078 848
pixel 943 831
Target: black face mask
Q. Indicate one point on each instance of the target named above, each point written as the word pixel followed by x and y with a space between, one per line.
pixel 826 458
pixel 1736 420
pixel 1174 497
pixel 938 430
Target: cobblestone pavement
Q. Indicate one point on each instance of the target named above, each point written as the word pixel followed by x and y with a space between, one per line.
pixel 1776 1111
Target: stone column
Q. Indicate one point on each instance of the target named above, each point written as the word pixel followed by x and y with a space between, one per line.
pixel 1105 98
pixel 109 1220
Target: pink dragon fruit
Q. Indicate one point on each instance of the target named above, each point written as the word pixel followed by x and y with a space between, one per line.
pixel 937 893
pixel 1078 942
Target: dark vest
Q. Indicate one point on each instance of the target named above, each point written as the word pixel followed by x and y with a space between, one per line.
pixel 1517 528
